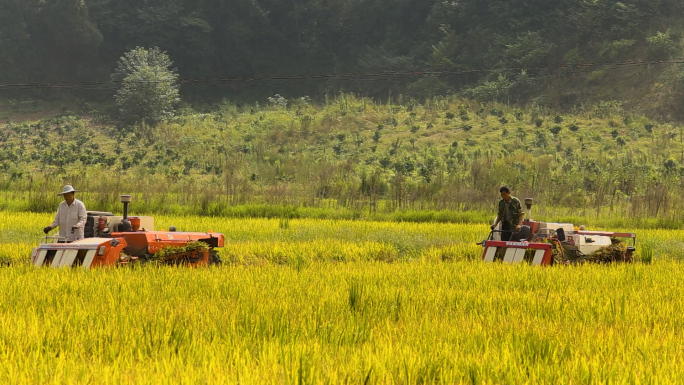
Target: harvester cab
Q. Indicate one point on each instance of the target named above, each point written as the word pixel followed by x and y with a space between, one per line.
pixel 112 240
pixel 547 243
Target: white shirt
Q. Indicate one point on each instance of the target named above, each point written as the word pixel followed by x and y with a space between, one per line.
pixel 69 216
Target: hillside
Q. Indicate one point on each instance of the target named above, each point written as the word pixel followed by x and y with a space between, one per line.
pixel 561 54
pixel 352 154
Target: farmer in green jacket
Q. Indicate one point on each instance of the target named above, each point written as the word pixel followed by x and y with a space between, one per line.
pixel 510 214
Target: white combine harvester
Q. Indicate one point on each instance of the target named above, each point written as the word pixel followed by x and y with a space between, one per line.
pixel 546 243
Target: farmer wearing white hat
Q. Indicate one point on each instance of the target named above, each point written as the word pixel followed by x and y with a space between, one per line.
pixel 70 218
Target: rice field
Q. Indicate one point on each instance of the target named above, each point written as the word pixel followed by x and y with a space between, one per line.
pixel 305 301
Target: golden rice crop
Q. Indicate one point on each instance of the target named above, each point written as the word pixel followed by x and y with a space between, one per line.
pixel 317 302
pixel 335 322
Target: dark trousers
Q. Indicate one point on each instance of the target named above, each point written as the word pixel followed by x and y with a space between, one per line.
pixel 507 231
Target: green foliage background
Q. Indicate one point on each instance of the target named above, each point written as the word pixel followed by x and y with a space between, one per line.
pixel 492 49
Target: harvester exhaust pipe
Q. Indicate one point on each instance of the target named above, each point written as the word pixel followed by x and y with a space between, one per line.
pixel 125 223
pixel 529 202
pixel 126 199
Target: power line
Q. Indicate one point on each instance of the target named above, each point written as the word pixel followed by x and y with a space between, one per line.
pixel 539 71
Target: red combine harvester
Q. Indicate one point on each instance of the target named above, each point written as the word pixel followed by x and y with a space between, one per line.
pixel 112 240
pixel 544 243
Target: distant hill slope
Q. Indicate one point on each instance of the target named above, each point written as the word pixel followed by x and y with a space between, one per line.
pixel 445 154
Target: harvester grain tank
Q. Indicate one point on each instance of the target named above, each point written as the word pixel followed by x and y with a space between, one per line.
pixel 112 240
pixel 547 243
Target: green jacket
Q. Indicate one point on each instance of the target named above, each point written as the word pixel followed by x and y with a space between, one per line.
pixel 515 208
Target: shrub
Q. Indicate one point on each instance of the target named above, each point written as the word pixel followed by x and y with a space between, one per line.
pixel 540 140
pixel 148 88
pixel 518 114
pixel 608 108
pixel 491 90
pixel 496 112
pixel 661 45
pixel 463 112
pixel 277 101
pixel 615 49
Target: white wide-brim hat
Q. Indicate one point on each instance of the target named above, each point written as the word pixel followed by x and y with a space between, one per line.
pixel 67 189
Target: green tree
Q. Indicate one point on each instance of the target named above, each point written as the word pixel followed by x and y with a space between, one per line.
pixel 14 39
pixel 148 90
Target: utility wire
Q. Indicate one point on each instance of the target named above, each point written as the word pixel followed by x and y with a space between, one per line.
pixel 533 72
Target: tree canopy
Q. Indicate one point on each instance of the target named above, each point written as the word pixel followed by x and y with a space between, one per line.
pixel 476 40
pixel 147 86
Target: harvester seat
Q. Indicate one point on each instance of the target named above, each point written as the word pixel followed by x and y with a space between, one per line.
pixel 521 235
